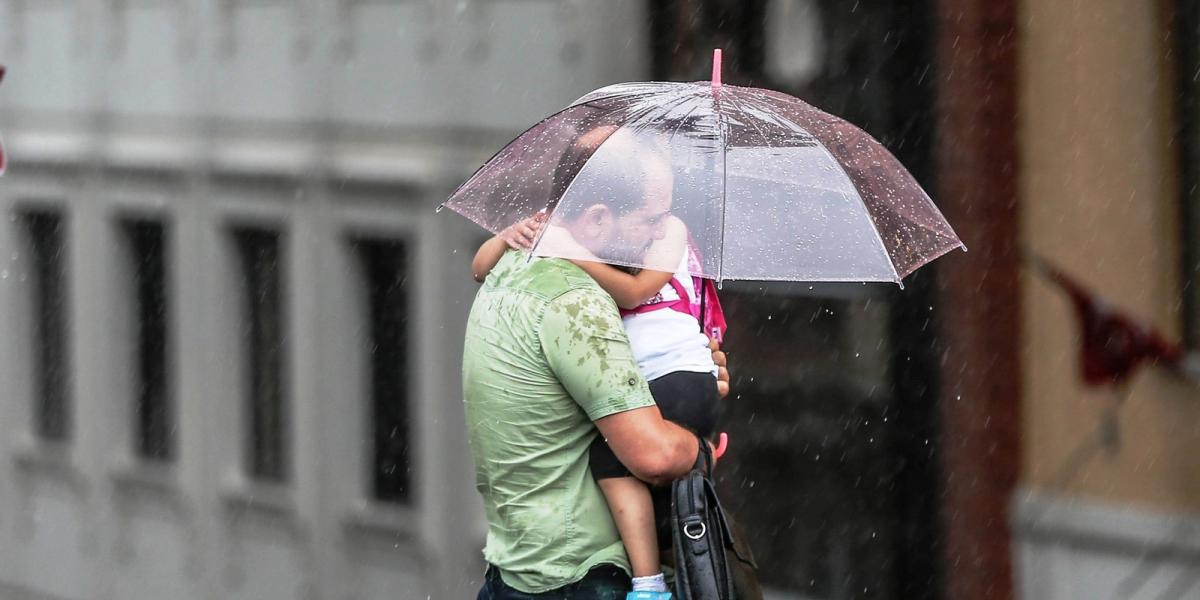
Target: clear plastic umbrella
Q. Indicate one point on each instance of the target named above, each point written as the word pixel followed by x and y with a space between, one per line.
pixel 768 187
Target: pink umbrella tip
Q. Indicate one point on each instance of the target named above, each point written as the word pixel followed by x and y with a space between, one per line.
pixel 716 73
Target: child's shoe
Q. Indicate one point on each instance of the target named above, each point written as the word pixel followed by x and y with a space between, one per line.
pixel 648 596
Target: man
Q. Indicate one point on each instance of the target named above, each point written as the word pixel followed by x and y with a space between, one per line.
pixel 546 364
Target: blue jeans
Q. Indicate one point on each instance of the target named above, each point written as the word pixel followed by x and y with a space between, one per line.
pixel 604 582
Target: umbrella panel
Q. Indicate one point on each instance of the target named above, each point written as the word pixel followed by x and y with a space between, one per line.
pixel 792 214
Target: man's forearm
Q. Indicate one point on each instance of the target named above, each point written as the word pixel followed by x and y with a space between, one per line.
pixel 654 450
pixel 670 459
pixel 680 448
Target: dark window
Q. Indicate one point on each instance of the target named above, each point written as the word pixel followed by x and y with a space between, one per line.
pixel 44 233
pixel 263 337
pixel 385 268
pixel 153 425
pixel 1187 28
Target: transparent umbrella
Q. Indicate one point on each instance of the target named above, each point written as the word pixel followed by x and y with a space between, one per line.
pixel 769 187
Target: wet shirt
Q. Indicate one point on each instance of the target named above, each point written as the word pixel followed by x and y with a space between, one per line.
pixel 545 355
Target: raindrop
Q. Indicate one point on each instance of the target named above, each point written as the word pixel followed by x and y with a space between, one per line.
pixel 4 274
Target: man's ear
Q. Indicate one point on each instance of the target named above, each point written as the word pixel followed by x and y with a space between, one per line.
pixel 596 219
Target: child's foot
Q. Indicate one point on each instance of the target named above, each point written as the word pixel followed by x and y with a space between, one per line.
pixel 649 587
pixel 648 596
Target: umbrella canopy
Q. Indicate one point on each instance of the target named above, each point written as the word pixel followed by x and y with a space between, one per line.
pixel 768 187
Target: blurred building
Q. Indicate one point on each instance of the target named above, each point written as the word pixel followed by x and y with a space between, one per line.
pixel 230 321
pixel 1108 504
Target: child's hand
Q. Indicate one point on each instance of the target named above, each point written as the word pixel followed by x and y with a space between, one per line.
pixel 520 235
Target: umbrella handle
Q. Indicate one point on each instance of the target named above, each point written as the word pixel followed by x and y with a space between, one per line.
pixel 722 445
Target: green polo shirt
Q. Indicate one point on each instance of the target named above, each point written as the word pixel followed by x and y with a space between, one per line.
pixel 545 355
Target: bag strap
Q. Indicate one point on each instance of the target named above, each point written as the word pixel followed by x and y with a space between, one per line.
pixel 704 458
pixel 730 541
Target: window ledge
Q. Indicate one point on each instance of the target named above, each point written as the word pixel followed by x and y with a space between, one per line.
pixel 133 473
pixel 31 453
pixel 379 518
pixel 270 498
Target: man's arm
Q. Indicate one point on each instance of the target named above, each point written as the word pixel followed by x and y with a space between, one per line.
pixel 586 347
pixel 655 450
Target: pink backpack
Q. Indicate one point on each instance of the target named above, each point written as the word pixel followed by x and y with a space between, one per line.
pixel 706 310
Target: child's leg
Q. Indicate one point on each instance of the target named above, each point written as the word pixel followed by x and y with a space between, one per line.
pixel 629 500
pixel 633 512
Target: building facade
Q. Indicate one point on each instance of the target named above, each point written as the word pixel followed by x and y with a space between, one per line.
pixel 232 320
pixel 1109 500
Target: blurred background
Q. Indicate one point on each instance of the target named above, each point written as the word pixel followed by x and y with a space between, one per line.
pixel 231 322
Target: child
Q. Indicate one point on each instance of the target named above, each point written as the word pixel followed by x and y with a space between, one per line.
pixel 662 313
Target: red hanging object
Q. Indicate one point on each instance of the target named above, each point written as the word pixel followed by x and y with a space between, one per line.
pixel 1114 343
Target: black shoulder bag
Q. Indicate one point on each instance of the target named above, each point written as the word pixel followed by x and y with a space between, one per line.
pixel 707 559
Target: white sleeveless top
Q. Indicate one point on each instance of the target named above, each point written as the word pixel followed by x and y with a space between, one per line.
pixel 665 340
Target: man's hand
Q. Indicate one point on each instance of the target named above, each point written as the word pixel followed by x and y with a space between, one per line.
pixel 718 357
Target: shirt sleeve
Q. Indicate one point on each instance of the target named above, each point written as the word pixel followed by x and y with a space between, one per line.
pixel 586 346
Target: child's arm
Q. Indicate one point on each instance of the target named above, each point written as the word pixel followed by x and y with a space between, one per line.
pixel 487 256
pixel 630 291
pixel 518 236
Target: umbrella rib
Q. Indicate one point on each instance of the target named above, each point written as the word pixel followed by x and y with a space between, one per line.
pixel 724 170
pixel 724 182
pixel 617 90
pixel 750 121
pixel 678 126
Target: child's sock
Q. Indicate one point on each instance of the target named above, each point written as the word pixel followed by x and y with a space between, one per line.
pixel 650 583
